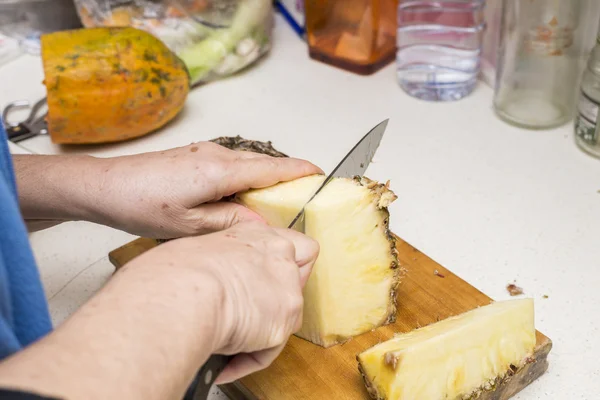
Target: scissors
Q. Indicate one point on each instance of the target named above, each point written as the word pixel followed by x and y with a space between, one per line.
pixel 33 125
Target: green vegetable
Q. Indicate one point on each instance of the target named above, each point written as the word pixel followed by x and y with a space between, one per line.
pixel 202 57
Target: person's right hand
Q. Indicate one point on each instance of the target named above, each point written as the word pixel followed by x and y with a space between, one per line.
pixel 261 271
pixel 150 328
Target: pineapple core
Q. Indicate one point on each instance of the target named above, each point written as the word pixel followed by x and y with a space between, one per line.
pixel 352 285
pixel 454 358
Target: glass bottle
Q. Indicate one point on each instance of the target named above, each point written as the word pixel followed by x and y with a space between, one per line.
pixel 587 125
pixel 540 60
pixel 355 35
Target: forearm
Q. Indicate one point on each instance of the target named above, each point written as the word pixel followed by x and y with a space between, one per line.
pixel 54 189
pixel 142 337
pixel 34 225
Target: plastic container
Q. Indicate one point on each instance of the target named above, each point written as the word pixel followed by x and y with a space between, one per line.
pixel 439 48
pixel 214 38
pixel 355 35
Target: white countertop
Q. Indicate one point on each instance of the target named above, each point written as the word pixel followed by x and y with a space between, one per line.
pixel 491 202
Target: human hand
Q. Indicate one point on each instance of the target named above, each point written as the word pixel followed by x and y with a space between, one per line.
pixel 261 272
pixel 176 193
pixel 149 329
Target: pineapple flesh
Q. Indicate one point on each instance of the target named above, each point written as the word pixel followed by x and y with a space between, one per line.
pixel 456 358
pixel 351 289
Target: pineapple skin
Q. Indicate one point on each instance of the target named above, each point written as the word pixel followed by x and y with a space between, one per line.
pixel 316 327
pixel 506 350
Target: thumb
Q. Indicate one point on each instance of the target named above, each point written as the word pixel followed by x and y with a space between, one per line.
pixel 219 216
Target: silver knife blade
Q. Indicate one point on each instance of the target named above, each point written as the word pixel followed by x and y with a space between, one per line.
pixel 355 163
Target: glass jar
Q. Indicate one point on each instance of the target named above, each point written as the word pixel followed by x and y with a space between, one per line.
pixel 541 56
pixel 356 35
pixel 587 124
pixel 214 38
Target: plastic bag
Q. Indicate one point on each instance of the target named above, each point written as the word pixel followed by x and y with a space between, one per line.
pixel 214 38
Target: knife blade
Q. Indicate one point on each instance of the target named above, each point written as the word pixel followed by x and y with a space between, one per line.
pixel 355 163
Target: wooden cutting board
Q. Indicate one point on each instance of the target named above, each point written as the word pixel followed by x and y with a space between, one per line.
pixel 305 371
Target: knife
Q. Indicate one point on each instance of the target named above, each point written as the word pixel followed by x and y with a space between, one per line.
pixel 355 163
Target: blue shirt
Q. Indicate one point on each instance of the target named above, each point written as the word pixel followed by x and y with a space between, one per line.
pixel 24 316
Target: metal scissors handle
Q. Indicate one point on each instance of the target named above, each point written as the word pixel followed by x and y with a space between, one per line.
pixel 31 126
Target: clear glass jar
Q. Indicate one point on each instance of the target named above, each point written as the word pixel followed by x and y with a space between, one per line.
pixel 587 123
pixel 214 38
pixel 541 56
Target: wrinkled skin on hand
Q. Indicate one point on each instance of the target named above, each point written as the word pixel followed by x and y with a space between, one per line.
pixel 177 192
pixel 261 272
pixel 232 285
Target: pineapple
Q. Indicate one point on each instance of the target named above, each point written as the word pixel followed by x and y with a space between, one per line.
pixel 352 287
pixel 456 358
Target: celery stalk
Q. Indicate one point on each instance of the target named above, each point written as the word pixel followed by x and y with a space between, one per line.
pixel 202 57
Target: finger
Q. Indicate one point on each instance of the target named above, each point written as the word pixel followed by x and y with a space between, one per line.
pixel 260 172
pixel 213 217
pixel 307 249
pixel 250 154
pixel 245 364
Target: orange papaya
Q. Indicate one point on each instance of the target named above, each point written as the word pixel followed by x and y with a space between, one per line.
pixel 110 84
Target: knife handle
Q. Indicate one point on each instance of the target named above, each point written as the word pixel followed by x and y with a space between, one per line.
pixel 206 376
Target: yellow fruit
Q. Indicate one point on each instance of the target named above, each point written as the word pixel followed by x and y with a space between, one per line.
pixel 110 84
pixel 352 287
pixel 455 358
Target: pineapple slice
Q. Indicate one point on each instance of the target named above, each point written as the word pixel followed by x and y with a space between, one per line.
pixel 352 287
pixel 452 359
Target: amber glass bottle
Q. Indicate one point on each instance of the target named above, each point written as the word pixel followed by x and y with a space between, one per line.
pixel 356 35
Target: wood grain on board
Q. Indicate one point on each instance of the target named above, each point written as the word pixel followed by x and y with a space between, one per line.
pixel 305 371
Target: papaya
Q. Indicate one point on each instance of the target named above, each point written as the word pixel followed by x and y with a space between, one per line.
pixel 110 84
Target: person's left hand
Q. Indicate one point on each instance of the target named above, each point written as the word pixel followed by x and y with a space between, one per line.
pixel 176 193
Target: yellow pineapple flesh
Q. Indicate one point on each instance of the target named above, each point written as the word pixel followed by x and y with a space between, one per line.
pixel 455 358
pixel 352 287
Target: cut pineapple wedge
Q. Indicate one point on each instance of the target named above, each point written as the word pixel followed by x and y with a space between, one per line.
pixel 455 358
pixel 352 287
